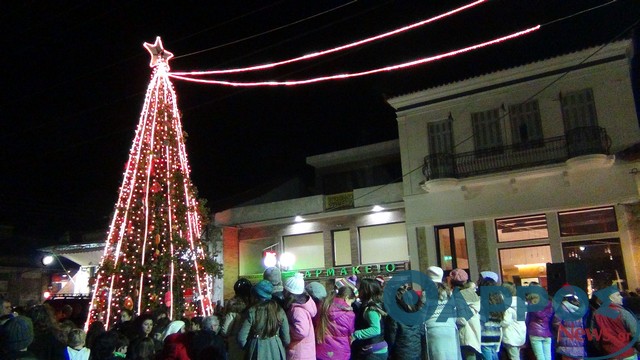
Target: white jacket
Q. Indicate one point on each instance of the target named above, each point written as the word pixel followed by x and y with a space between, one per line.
pixel 82 354
pixel 514 332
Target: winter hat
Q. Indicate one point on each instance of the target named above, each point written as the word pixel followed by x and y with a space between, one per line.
pixel 489 274
pixel 274 276
pixel 380 280
pixel 317 291
pixel 173 328
pixel 17 333
pixel 459 276
pixel 263 290
pixel 295 284
pixel 435 274
pixel 353 279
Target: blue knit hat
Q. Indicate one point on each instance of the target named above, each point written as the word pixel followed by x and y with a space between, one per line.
pixel 263 290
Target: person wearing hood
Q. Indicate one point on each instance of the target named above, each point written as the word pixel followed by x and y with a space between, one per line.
pixel 514 331
pixel 265 330
pixel 175 341
pixel 569 347
pixel 274 276
pixel 301 309
pixel 469 331
pixel 335 325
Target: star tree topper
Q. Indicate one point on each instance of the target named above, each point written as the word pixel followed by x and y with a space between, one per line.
pixel 158 53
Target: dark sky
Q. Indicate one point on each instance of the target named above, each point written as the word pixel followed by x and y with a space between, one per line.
pixel 74 74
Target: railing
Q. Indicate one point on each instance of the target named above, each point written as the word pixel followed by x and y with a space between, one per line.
pixel 587 140
pixel 577 142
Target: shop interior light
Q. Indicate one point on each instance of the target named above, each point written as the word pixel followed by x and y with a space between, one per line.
pixel 47 260
pixel 270 259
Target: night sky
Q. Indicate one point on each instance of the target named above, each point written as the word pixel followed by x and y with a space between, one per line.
pixel 74 75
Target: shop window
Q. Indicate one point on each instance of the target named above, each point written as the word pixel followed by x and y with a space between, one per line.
pixel 308 250
pixel 602 259
pixel 452 247
pixel 342 247
pixel 522 228
pixel 525 265
pixel 383 243
pixel 251 251
pixel 587 221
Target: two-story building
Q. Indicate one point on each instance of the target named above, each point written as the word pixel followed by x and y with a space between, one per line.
pixel 515 169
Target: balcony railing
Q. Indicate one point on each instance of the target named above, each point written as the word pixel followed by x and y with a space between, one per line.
pixel 576 142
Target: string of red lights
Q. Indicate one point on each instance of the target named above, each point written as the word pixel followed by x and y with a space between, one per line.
pixel 362 73
pixel 335 49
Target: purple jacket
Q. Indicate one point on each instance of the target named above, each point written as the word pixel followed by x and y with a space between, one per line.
pixel 303 339
pixel 539 322
pixel 340 326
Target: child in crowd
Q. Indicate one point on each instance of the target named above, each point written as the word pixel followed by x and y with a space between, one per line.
pixel 76 349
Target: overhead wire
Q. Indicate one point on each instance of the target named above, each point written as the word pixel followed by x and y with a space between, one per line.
pixel 335 49
pixel 265 32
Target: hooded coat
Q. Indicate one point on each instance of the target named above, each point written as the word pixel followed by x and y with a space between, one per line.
pixel 303 345
pixel 572 346
pixel 175 347
pixel 341 324
pixel 257 348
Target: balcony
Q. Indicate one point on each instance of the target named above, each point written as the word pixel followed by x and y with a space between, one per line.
pixel 577 142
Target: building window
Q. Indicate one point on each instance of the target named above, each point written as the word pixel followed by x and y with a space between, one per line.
pixel 578 109
pixel 383 243
pixel 342 247
pixel 525 265
pixel 602 260
pixel 440 137
pixel 308 250
pixel 487 132
pixel 452 247
pixel 526 126
pixel 522 228
pixel 251 252
pixel 587 221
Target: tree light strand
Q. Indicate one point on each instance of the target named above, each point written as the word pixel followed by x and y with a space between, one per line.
pixel 336 49
pixel 362 73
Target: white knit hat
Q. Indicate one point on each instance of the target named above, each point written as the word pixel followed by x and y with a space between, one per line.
pixel 295 284
pixel 435 274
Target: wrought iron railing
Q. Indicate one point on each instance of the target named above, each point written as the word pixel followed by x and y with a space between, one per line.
pixel 587 140
pixel 576 142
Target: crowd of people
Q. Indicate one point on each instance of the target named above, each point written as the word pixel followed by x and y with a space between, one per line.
pixel 293 319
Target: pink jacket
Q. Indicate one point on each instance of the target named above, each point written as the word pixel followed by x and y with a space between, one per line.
pixel 303 341
pixel 341 324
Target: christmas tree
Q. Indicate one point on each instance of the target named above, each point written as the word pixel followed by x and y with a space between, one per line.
pixel 153 256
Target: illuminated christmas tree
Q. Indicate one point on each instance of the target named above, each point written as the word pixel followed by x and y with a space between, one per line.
pixel 153 256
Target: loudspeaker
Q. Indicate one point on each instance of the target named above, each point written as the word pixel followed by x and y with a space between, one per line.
pixel 561 274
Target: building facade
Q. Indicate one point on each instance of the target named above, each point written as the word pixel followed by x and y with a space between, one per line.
pixel 528 172
pixel 354 226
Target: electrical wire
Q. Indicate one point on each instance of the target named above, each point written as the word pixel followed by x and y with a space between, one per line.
pixel 336 49
pixel 265 32
pixel 362 73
